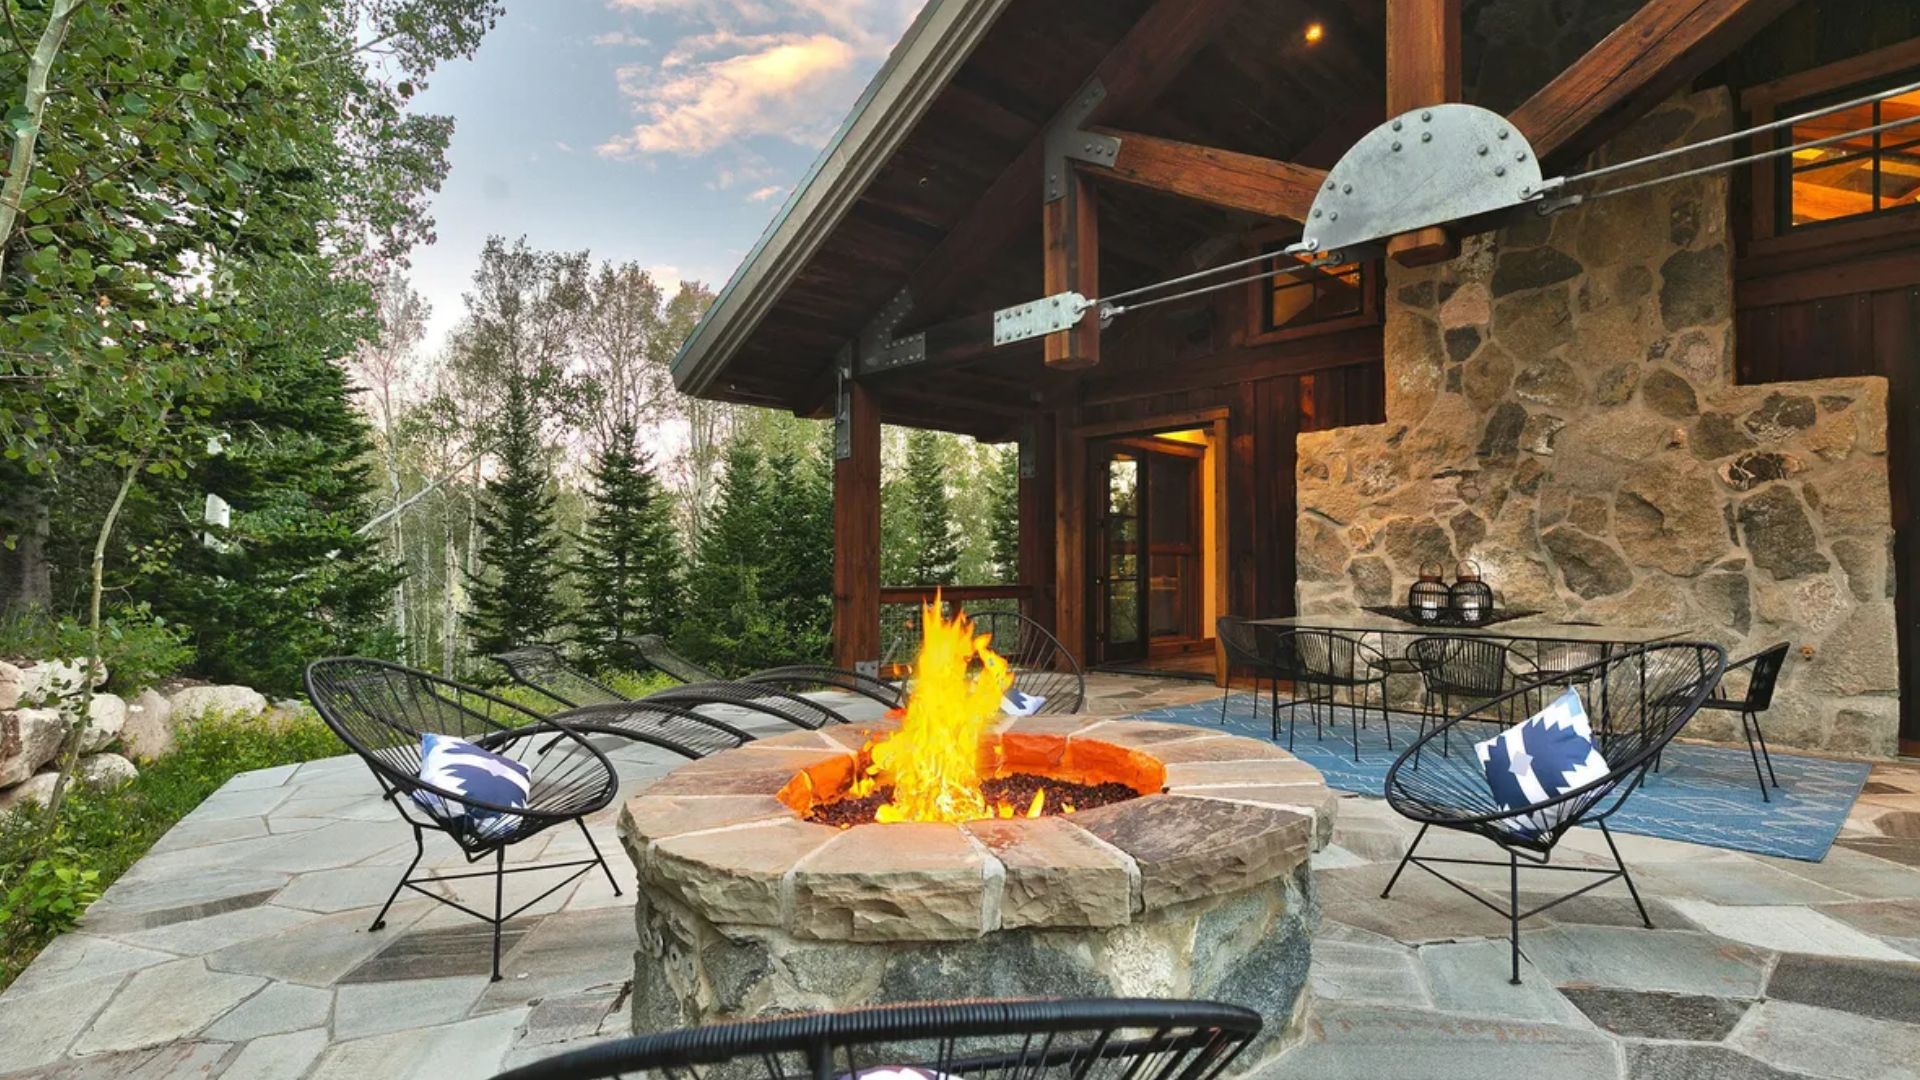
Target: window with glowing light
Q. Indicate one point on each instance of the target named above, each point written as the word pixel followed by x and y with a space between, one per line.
pixel 1857 176
pixel 1313 296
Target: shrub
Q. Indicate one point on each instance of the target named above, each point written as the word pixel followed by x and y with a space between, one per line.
pixel 102 833
pixel 138 647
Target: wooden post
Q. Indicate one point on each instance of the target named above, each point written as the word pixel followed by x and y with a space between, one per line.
pixel 1071 228
pixel 1037 521
pixel 1423 68
pixel 1070 482
pixel 856 533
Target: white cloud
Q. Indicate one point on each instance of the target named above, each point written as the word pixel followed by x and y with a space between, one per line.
pixel 785 69
pixel 621 38
pixel 765 193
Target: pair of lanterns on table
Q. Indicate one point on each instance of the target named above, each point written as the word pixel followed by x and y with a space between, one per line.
pixel 1469 600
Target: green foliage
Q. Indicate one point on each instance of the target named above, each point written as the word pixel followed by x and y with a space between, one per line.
pixel 629 560
pixel 936 548
pixel 759 592
pixel 1002 479
pixel 101 834
pixel 140 648
pixel 514 601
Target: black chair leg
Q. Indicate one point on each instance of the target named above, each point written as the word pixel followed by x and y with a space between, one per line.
pixel 1513 912
pixel 1645 919
pixel 499 898
pixel 1753 751
pixel 1761 735
pixel 1404 860
pixel 419 852
pixel 599 858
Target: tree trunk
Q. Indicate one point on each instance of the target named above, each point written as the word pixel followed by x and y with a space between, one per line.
pixel 26 581
pixel 34 101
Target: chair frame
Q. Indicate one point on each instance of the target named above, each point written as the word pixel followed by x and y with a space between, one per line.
pixel 1195 1040
pixel 1061 661
pixel 398 788
pixel 1766 666
pixel 524 665
pixel 783 705
pixel 1604 796
pixel 1438 695
pixel 662 657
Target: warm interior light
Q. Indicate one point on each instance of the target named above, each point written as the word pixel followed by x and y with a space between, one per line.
pixel 1315 32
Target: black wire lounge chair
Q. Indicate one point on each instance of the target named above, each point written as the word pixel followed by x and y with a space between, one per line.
pixel 796 678
pixel 542 669
pixel 1637 701
pixel 1041 666
pixel 783 705
pixel 676 728
pixel 1121 1039
pixel 1763 675
pixel 382 711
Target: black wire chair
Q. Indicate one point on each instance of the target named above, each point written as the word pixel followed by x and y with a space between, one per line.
pixel 1246 646
pixel 797 678
pixel 542 669
pixel 1329 663
pixel 1558 662
pixel 1122 1039
pixel 782 705
pixel 382 710
pixel 1638 701
pixel 1763 676
pixel 1459 670
pixel 1041 666
pixel 676 728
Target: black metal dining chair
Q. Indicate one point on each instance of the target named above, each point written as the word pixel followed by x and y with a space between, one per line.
pixel 1461 669
pixel 1763 675
pixel 1039 1039
pixel 1333 664
pixel 1653 691
pixel 382 711
pixel 1247 647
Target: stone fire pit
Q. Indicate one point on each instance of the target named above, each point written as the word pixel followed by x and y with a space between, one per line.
pixel 1201 890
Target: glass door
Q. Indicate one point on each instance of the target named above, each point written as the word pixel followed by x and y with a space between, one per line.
pixel 1120 572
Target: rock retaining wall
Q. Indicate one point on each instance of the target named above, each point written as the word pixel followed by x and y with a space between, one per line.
pixel 1561 408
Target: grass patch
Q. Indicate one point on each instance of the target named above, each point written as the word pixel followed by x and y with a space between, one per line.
pixel 102 833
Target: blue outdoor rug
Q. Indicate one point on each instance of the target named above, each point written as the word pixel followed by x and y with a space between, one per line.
pixel 1702 794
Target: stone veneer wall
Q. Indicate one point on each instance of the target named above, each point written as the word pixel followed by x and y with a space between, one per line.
pixel 1561 408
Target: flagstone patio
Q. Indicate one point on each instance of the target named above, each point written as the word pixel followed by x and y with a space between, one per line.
pixel 239 948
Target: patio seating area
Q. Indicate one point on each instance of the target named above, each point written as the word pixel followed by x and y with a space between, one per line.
pixel 239 947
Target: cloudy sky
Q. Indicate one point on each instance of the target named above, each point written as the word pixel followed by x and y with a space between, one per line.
pixel 665 132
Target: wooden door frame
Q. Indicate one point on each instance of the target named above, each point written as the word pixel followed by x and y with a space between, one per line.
pixel 1075 508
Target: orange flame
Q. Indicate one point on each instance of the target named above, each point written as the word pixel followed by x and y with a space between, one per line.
pixel 933 761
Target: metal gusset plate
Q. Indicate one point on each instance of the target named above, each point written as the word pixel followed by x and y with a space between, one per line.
pixel 1427 167
pixel 1044 316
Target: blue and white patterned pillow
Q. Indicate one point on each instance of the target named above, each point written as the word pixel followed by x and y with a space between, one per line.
pixel 459 766
pixel 1016 703
pixel 1550 754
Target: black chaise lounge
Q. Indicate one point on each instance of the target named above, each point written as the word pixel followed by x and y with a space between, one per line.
pixel 542 669
pixel 1041 666
pixel 1113 1039
pixel 1637 701
pixel 796 678
pixel 382 711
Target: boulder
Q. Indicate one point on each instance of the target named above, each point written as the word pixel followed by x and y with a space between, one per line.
pixel 29 738
pixel 49 680
pixel 105 771
pixel 149 729
pixel 38 790
pixel 11 680
pixel 194 702
pixel 106 718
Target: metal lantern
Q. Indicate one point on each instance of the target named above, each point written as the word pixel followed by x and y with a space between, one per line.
pixel 1470 598
pixel 1428 598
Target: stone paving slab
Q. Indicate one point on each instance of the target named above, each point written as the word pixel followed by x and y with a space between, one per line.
pixel 255 963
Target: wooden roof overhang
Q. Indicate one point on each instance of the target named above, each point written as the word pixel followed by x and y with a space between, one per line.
pixel 930 198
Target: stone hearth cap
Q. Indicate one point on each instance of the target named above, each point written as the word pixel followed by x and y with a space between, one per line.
pixel 712 834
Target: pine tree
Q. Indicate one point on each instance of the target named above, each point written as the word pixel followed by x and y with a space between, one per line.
pixel 936 548
pixel 799 577
pixel 514 597
pixel 728 624
pixel 628 565
pixel 1003 523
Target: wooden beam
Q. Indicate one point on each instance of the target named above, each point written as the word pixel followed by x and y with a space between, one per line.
pixel 1423 68
pixel 1070 229
pixel 1037 521
pixel 1143 64
pixel 856 536
pixel 1205 174
pixel 1655 53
